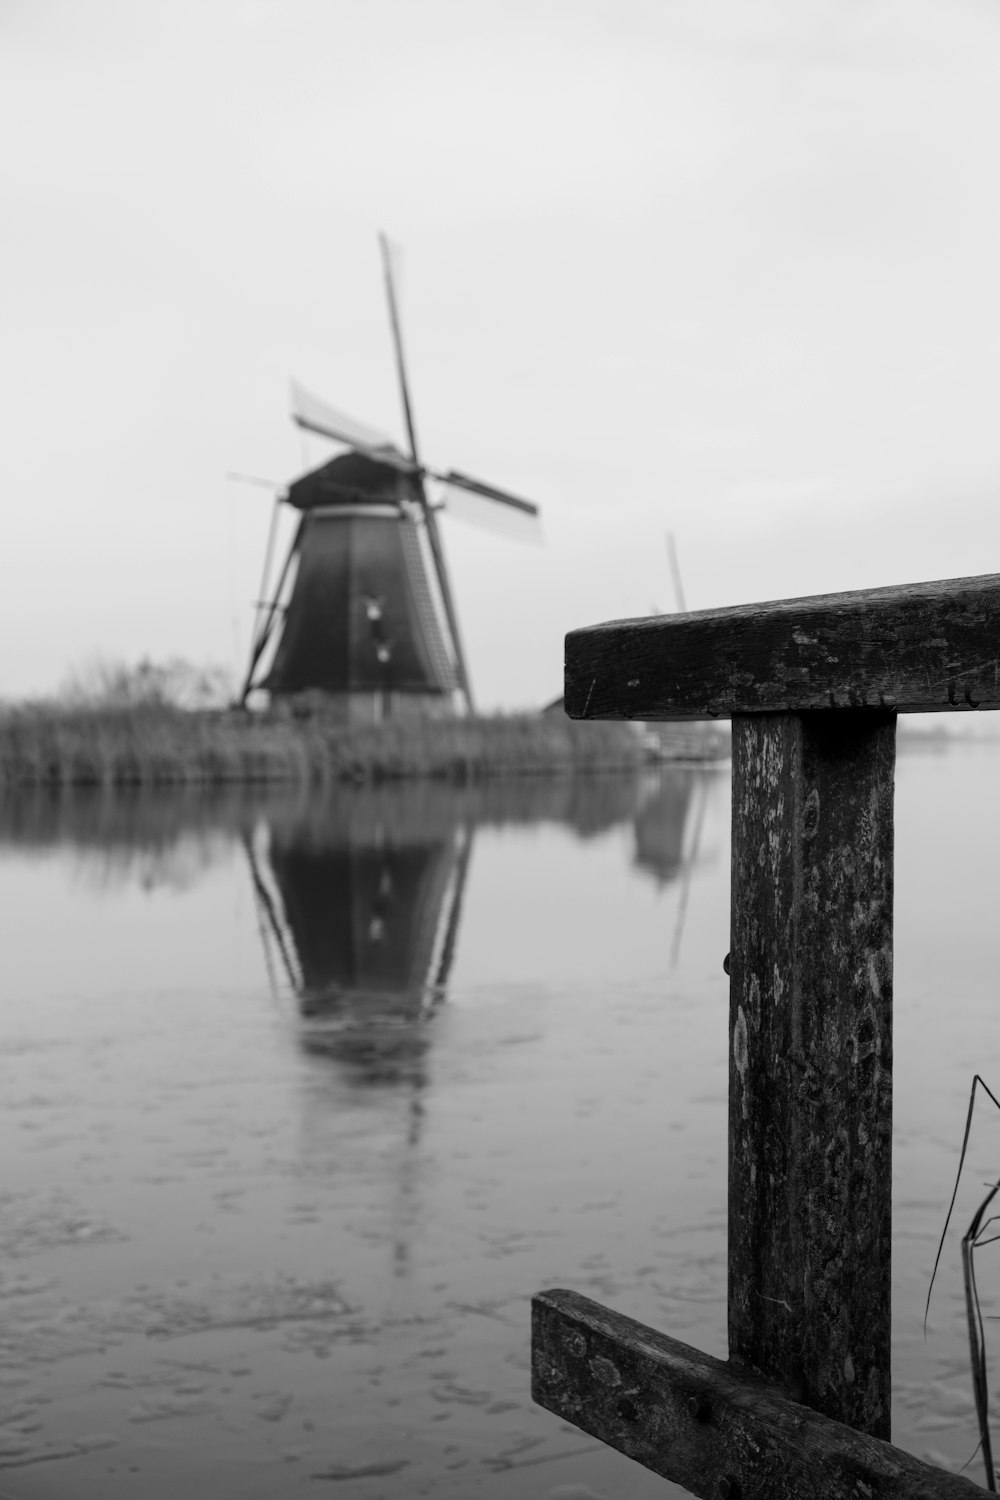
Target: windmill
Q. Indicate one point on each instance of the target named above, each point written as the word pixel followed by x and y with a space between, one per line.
pixel 363 609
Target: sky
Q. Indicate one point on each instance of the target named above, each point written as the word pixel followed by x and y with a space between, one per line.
pixel 720 268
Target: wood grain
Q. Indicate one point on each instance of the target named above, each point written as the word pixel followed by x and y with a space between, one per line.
pixel 695 1420
pixel 919 648
pixel 810 1073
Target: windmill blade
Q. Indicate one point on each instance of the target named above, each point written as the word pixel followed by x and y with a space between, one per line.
pixel 503 497
pixel 314 415
pixel 264 484
pixel 483 511
pixel 390 253
pixel 434 539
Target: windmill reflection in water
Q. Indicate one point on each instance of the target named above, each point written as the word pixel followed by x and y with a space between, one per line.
pixel 358 907
pixel 359 900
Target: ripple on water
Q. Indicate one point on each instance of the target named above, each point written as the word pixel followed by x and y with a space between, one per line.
pixel 31 1222
pixel 41 1327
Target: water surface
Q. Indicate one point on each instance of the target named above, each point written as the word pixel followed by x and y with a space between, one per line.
pixel 303 1097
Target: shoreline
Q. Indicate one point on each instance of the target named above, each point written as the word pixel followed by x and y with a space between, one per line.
pixel 161 745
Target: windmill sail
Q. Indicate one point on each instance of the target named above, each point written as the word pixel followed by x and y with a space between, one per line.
pixel 478 510
pixel 314 415
pixel 389 266
pixel 455 480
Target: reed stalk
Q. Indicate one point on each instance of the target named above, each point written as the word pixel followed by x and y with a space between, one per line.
pixel 159 744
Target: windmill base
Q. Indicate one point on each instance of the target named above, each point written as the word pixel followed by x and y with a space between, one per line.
pixel 363 708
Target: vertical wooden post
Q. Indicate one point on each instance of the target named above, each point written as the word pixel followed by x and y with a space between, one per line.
pixel 810 1081
pixel 802 1407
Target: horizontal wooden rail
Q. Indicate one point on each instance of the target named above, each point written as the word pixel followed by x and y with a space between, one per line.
pixel 713 1428
pixel 919 648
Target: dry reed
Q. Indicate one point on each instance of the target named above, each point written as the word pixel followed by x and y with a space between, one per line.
pixel 158 744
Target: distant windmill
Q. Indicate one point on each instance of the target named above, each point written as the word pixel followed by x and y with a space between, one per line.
pixel 363 620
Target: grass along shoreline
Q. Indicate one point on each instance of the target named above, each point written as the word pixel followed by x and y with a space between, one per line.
pixel 159 744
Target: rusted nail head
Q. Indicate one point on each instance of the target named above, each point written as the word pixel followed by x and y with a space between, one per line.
pixel 725 963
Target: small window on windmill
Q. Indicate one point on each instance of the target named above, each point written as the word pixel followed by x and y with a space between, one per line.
pixel 375 612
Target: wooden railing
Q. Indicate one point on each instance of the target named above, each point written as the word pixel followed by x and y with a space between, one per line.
pixel 813 688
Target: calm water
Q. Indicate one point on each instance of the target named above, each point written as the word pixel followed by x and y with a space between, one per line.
pixel 302 1099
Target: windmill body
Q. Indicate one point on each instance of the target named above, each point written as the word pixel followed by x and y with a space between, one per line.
pixel 362 625
pixel 363 612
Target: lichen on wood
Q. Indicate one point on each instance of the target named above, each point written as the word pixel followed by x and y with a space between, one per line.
pixel 811 1058
pixel 695 1420
pixel 917 648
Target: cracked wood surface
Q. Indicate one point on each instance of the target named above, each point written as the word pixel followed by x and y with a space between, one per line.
pixel 810 1070
pixel 918 648
pixel 803 1407
pixel 697 1421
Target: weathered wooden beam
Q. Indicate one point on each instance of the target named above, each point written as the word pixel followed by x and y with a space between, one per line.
pixel 914 649
pixel 813 687
pixel 696 1421
pixel 810 1065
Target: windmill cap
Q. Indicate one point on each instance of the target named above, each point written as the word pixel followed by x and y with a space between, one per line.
pixel 350 479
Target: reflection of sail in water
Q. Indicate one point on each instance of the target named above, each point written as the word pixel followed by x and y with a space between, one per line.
pixel 361 911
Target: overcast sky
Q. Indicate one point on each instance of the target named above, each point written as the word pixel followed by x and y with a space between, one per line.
pixel 728 268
